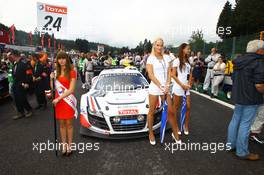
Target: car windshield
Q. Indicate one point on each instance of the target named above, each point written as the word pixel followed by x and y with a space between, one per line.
pixel 122 81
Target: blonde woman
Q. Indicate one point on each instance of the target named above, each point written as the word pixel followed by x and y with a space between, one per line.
pixel 159 68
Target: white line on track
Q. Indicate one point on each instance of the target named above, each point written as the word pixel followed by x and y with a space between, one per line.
pixel 215 100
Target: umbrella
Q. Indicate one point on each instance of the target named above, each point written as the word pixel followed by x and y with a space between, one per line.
pixel 183 111
pixel 164 118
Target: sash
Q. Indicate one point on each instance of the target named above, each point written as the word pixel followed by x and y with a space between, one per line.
pixel 70 100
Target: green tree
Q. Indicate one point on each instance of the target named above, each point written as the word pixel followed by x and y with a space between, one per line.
pixel 197 40
pixel 82 45
pixel 225 20
pixel 248 17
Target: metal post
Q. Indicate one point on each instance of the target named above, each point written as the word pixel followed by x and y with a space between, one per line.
pixel 53 96
pixel 234 46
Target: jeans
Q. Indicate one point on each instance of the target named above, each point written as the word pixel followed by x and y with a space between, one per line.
pixel 239 128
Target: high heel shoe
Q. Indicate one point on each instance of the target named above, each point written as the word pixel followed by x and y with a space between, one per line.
pixel 179 133
pixel 152 142
pixel 64 150
pixel 69 152
pixel 177 141
pixel 186 132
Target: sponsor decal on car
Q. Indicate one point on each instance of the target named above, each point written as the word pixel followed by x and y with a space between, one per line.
pixel 128 111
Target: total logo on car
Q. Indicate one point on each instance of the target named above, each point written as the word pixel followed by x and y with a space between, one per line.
pixel 117 105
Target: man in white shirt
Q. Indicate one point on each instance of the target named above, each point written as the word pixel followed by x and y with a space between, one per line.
pixel 211 61
pixel 88 71
pixel 219 74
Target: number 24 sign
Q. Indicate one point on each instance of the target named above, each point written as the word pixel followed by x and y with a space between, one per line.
pixel 51 18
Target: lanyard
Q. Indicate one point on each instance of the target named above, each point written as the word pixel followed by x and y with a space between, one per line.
pixel 163 67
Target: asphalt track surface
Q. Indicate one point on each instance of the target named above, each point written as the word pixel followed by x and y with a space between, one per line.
pixel 209 122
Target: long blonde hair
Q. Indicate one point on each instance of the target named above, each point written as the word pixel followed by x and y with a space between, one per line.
pixel 153 46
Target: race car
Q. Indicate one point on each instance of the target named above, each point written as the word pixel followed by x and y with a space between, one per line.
pixel 4 85
pixel 117 105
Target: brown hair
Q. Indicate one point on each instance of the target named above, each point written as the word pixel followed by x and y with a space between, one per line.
pixel 68 67
pixel 182 57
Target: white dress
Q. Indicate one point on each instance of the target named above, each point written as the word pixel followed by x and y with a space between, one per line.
pixel 160 71
pixel 182 76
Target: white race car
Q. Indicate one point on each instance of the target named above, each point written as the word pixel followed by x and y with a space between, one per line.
pixel 117 105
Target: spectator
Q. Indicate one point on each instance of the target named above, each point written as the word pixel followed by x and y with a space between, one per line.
pixel 247 90
pixel 211 61
pixel 143 64
pixel 108 61
pixel 81 69
pixel 22 73
pixel 257 126
pixel 192 57
pixel 126 61
pixel 197 70
pixel 11 64
pixel 41 79
pixel 219 73
pixel 88 71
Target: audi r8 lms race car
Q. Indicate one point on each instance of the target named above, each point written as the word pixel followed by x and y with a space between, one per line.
pixel 117 105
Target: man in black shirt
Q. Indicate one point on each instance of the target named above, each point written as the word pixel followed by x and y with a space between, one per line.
pixel 22 73
pixel 41 79
pixel 248 87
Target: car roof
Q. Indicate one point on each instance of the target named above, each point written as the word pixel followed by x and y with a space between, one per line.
pixel 118 71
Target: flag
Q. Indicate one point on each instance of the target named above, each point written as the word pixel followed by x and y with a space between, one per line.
pixel 54 44
pixel 42 40
pixel 49 43
pixel 30 38
pixel 164 118
pixel 4 36
pixel 12 30
pixel 183 111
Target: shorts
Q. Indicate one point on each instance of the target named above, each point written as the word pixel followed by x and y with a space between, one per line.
pixel 154 90
pixel 177 90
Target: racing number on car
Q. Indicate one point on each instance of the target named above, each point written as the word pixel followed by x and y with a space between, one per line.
pixel 50 24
